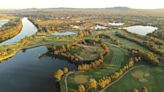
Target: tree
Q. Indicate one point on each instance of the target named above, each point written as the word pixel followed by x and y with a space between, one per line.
pixel 131 63
pixel 58 74
pixel 135 90
pixel 144 89
pixel 81 88
pixel 92 84
pixel 65 70
pixel 103 82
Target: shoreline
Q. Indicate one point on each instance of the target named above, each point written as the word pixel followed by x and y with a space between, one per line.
pixel 7 56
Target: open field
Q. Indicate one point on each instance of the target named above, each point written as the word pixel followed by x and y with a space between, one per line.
pixel 151 77
pixel 115 59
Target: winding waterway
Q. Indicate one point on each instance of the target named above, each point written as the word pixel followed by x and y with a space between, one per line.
pixel 25 72
pixel 27 30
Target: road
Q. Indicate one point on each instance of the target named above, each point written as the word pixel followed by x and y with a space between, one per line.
pixel 65 79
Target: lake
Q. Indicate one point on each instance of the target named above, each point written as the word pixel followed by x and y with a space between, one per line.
pixel 2 22
pixel 25 72
pixel 27 30
pixel 141 30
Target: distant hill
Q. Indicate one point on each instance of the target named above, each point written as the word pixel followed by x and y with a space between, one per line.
pixel 108 11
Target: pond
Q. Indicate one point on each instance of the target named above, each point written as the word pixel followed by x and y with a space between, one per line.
pixel 27 30
pixel 25 72
pixel 63 33
pixel 141 30
pixel 2 22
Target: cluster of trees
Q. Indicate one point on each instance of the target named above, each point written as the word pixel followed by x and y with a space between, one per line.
pixel 60 51
pixel 147 44
pixel 106 80
pixel 155 40
pixel 144 89
pixel 60 73
pixel 81 88
pixel 90 87
pixel 10 30
pixel 115 41
pixel 96 62
pixel 83 33
pixel 158 34
pixel 51 25
pixel 145 56
pixel 93 64
pixel 147 37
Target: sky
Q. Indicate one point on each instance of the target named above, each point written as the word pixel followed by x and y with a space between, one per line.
pixel 22 4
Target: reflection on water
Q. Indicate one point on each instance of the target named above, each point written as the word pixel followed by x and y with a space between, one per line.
pixel 27 30
pixel 25 72
pixel 142 30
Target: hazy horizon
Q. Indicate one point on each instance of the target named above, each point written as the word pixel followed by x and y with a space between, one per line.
pixel 24 4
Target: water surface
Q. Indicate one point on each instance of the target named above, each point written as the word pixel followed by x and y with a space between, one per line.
pixel 25 72
pixel 142 30
pixel 27 30
pixel 2 22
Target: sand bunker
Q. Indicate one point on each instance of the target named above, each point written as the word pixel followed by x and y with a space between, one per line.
pixel 79 79
pixel 140 75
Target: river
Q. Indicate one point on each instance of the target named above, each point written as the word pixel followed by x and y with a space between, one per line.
pixel 25 72
pixel 28 29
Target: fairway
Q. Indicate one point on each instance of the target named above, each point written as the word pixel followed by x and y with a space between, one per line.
pixel 136 79
pixel 115 59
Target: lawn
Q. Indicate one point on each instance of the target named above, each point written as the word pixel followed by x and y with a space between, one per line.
pixel 85 52
pixel 151 77
pixel 115 59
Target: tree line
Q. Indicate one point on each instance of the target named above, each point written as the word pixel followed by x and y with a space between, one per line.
pixel 93 84
pixel 147 44
pixel 11 29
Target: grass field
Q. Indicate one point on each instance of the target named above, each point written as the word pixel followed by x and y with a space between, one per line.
pixel 85 52
pixel 126 42
pixel 153 80
pixel 116 58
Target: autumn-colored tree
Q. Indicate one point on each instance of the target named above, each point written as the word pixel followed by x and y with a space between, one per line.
pixel 145 89
pixel 135 90
pixel 116 75
pixel 58 74
pixel 81 88
pixel 103 82
pixel 65 70
pixel 131 63
pixel 92 84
